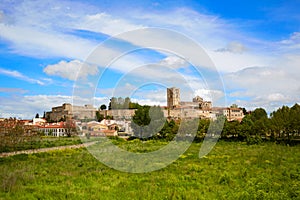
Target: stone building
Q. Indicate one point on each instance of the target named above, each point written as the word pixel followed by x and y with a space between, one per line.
pixel 67 111
pixel 230 113
pixel 173 97
pixel 84 112
pixel 203 105
pixel 119 113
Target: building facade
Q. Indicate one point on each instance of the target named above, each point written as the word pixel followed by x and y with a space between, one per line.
pixel 230 113
pixel 173 97
pixel 67 111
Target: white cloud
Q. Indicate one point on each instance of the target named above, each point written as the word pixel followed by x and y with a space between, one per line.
pixel 13 90
pixel 19 75
pixel 262 70
pixel 71 70
pixel 263 87
pixel 209 95
pixel 40 43
pixel 14 106
pixel 105 23
pixel 234 47
pixel 174 62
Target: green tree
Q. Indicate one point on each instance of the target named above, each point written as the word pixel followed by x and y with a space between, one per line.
pixel 147 121
pixel 294 121
pixel 246 128
pixel 259 114
pixel 113 103
pixel 103 107
pixel 280 121
pixel 126 103
pixel 37 115
pixel 231 129
pixel 99 116
pixel 169 130
pixel 216 126
pixel 202 128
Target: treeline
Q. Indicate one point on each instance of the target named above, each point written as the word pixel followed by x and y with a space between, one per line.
pixel 283 125
pixel 121 103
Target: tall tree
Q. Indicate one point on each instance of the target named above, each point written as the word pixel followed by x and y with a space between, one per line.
pixel 280 122
pixel 37 115
pixel 147 121
pixel 259 114
pixel 99 116
pixel 70 127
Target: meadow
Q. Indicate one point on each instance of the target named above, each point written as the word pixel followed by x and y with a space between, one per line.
pixel 232 170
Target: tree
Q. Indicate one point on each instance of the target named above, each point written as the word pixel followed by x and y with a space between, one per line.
pixel 216 126
pixel 121 103
pixel 147 121
pixel 202 128
pixel 99 116
pixel 294 121
pixel 113 103
pixel 70 127
pixel 103 107
pixel 280 122
pixel 37 115
pixel 244 111
pixel 169 130
pixel 285 122
pixel 234 106
pixel 246 128
pixel 259 114
pixel 126 103
pixel 231 129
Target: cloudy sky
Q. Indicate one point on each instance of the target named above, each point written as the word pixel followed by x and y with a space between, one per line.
pixel 243 52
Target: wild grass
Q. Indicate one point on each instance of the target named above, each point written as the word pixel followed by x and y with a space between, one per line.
pixel 232 170
pixel 45 142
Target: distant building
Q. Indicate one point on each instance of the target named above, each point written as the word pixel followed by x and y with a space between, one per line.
pixel 198 108
pixel 119 114
pixel 231 113
pixel 57 129
pixel 38 121
pixel 67 111
pixel 173 97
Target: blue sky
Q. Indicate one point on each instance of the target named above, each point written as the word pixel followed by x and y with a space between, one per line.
pixel 53 51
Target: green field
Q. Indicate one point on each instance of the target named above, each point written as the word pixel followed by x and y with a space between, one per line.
pixel 232 170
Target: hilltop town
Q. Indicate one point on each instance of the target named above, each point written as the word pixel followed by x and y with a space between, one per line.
pixel 116 120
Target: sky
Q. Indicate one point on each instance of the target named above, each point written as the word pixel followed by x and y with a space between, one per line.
pixel 84 52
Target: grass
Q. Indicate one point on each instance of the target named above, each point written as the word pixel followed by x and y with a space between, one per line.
pixel 232 170
pixel 46 142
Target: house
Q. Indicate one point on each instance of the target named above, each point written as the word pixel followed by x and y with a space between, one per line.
pixel 56 129
pixel 230 113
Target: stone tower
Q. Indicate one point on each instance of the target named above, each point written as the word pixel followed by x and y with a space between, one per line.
pixel 173 97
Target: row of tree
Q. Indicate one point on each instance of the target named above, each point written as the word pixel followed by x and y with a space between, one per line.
pixel 282 125
pixel 121 103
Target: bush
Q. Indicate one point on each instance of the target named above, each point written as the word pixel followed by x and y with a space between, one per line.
pixel 254 140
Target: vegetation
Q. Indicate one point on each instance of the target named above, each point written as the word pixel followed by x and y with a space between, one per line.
pixel 147 121
pixel 99 116
pixel 38 142
pixel 282 126
pixel 103 107
pixel 232 170
pixel 121 103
